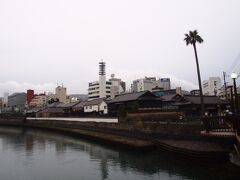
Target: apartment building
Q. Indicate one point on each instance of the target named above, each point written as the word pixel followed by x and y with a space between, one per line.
pixel 211 86
pixel 38 101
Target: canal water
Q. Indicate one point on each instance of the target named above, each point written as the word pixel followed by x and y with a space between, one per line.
pixel 32 154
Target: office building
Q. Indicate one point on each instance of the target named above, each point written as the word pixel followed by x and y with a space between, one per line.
pixel 211 86
pixel 150 83
pixel 17 101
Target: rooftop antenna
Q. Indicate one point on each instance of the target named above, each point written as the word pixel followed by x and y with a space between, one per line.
pixel 102 68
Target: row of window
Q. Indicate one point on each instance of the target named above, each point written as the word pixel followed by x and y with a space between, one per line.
pixel 95 92
pixel 94 88
pixel 90 107
pixel 93 84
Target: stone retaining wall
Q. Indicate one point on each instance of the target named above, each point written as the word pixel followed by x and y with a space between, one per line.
pixel 171 130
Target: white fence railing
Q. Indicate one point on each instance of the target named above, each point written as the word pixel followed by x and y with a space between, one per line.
pixel 107 120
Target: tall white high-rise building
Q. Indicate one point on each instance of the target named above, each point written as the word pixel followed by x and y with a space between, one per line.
pixel 100 88
pixel 211 86
pixel 103 88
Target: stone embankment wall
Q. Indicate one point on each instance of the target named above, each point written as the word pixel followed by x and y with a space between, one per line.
pixel 143 130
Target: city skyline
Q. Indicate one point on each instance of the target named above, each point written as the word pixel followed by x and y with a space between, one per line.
pixel 49 42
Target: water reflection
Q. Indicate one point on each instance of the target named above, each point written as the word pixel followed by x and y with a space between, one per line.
pixel 38 154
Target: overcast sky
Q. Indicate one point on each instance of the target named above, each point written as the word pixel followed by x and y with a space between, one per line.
pixel 45 42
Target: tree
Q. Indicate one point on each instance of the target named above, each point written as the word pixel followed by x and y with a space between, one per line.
pixel 193 38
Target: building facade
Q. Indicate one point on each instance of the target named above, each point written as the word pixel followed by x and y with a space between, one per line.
pixel 195 92
pixel 17 101
pixel 117 86
pixel 61 94
pixel 165 83
pixel 30 95
pixel 38 101
pixel 98 106
pixel 211 86
pixel 150 83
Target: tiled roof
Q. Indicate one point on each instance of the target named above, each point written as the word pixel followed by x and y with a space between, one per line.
pixel 133 96
pixel 206 99
pixel 80 105
pixel 68 105
pixel 55 104
pixel 171 97
pixel 62 105
pixel 94 102
pixel 52 110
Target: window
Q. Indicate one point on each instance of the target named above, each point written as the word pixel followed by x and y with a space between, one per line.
pixel 105 107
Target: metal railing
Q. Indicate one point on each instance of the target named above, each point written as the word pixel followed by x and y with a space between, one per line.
pixel 221 123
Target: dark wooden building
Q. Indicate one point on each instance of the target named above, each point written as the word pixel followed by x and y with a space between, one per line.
pixel 168 101
pixel 78 109
pixel 134 101
pixel 57 109
pixel 191 105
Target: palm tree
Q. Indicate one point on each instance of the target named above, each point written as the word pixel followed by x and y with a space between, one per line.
pixel 193 38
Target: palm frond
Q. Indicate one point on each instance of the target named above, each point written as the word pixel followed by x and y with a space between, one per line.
pixel 187 39
pixel 193 37
pixel 199 39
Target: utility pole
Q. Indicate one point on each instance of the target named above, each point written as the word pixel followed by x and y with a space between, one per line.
pixel 225 84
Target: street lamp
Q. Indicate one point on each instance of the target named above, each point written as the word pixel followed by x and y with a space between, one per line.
pixel 234 76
